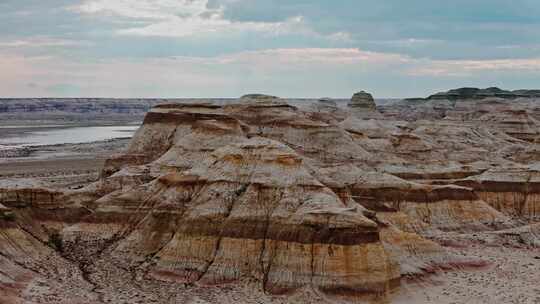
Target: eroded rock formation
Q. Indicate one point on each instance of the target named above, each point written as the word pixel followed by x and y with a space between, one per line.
pixel 285 198
pixel 362 100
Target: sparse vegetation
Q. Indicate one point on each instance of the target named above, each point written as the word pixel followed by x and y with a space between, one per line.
pixel 8 216
pixel 55 242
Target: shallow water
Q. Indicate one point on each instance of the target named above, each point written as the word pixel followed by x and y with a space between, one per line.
pixel 71 135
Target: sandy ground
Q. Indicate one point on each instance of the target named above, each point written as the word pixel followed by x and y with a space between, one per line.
pixel 513 276
pixel 70 173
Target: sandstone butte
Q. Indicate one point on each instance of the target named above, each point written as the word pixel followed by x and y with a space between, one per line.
pixel 283 197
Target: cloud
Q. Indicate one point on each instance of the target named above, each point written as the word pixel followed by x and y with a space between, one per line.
pixel 184 18
pixel 439 30
pixel 39 42
pixel 409 42
pixel 418 28
pixel 310 56
pixel 184 27
pixel 147 9
pixel 470 67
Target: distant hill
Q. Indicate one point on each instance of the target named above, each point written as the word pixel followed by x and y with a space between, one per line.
pixel 476 93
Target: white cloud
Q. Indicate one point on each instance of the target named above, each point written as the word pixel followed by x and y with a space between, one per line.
pixel 150 9
pixel 40 42
pixel 182 18
pixel 409 42
pixel 470 67
pixel 315 56
pixel 341 37
pixel 183 27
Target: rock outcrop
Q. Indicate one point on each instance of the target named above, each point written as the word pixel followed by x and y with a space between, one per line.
pixel 362 100
pixel 246 202
pixel 284 198
pixel 513 191
pixel 258 97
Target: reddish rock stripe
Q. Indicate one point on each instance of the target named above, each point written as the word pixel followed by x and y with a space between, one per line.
pixel 498 186
pixel 252 107
pixel 252 229
pixel 178 118
pixel 415 195
pixel 435 175
pixel 12 197
pixel 7 224
pixel 60 215
pixel 302 234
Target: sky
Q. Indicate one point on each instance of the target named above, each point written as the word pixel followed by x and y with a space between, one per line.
pixel 288 48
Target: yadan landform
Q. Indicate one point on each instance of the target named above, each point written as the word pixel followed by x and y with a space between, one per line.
pixel 266 200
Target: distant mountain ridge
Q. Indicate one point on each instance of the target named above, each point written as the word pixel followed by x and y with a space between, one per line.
pixel 77 105
pixel 476 93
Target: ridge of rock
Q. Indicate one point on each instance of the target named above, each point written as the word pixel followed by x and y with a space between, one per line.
pixel 362 100
pixel 476 93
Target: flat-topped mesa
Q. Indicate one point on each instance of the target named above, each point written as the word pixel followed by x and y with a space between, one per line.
pixel 162 125
pixel 362 100
pixel 476 93
pixel 258 98
pixel 327 101
pixel 260 101
pixel 179 128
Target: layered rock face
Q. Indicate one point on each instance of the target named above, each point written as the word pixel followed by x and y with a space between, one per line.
pixel 247 203
pixel 263 214
pixel 513 191
pixel 31 262
pixel 286 198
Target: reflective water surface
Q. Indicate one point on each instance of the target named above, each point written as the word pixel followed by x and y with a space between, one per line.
pixel 55 136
